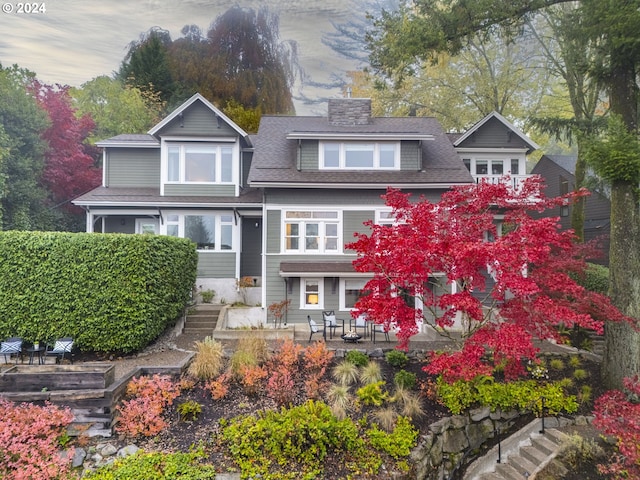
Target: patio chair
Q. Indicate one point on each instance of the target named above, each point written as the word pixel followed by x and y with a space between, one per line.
pixel 62 347
pixel 314 328
pixel 361 323
pixel 11 346
pixel 379 328
pixel 331 322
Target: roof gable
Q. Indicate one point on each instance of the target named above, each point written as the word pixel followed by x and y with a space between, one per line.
pixel 491 122
pixel 179 112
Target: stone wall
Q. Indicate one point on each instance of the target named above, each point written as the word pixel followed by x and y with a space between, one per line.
pixel 445 448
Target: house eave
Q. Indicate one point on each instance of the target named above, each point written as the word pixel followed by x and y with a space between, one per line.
pixel 165 205
pixel 105 144
pixel 352 186
pixel 358 136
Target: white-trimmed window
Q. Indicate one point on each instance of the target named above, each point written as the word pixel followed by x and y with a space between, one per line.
pixel 312 293
pixel 208 231
pixel 359 156
pixel 200 162
pixel 351 289
pixel 385 217
pixel 312 231
pixel 494 166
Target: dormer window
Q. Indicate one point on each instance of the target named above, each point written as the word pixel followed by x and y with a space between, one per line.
pixel 359 156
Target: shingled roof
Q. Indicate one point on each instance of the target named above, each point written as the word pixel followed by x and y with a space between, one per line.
pixel 274 160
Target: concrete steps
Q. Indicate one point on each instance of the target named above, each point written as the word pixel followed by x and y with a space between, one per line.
pixel 530 456
pixel 202 319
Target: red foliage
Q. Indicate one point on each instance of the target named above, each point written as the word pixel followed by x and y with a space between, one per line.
pixel 617 414
pixel 529 263
pixel 69 168
pixel 29 435
pixel 141 415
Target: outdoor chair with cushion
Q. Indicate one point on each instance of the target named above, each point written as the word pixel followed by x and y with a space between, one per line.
pixel 61 349
pixel 11 346
pixel 332 323
pixel 361 323
pixel 379 328
pixel 314 328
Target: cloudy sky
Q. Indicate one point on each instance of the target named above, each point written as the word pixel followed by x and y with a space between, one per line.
pixel 77 40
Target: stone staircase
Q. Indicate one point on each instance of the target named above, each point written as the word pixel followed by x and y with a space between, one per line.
pixel 201 319
pixel 531 456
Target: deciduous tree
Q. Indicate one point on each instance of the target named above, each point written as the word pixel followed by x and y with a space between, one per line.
pixel 69 170
pixel 424 28
pixel 436 265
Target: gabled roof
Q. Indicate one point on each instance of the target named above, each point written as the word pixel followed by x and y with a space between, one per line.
pixel 566 162
pixel 199 98
pixel 458 141
pixel 275 156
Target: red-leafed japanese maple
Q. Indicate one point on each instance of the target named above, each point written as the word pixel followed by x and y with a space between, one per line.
pixel 477 267
pixel 617 414
pixel 69 168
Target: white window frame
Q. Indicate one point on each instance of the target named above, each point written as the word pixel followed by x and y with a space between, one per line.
pixel 175 223
pixel 322 236
pixel 505 161
pixel 344 146
pixel 303 294
pixel 218 145
pixel 343 290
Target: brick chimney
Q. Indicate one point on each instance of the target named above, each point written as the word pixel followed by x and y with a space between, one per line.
pixel 349 111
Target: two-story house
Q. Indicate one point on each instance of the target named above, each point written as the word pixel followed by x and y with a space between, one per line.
pixel 186 177
pixel 281 206
pixel 322 177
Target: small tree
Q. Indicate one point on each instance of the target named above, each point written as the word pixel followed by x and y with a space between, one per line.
pixel 501 283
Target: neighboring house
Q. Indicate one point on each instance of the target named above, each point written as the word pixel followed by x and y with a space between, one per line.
pixel 280 206
pixel 186 177
pixel 494 147
pixel 558 172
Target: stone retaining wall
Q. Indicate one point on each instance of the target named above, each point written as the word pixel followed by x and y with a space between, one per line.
pixel 445 448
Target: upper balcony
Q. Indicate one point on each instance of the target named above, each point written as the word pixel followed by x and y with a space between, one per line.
pixel 514 180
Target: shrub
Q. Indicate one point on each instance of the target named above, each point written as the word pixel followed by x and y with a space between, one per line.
pixel 345 373
pixel 189 410
pixel 556 364
pixel 523 395
pixel 219 387
pixel 142 414
pixel 397 443
pixel 595 279
pixel 317 357
pixel 251 377
pixel 110 292
pixel 580 374
pixel 356 357
pixel 30 438
pixel 396 358
pixel 208 361
pixel 293 443
pixel 287 355
pixel 280 386
pixel 370 373
pixel 157 466
pixel 405 380
pixel 340 400
pixel 372 394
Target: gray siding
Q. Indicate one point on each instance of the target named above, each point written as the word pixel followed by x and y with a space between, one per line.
pixel 353 223
pixel 199 190
pixel 216 265
pixel 276 291
pixel 274 217
pixel 493 134
pixel 133 167
pixel 309 155
pixel 198 120
pixel 410 156
pixel 341 197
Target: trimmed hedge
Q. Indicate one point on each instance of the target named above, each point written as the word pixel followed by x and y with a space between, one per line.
pixel 110 292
